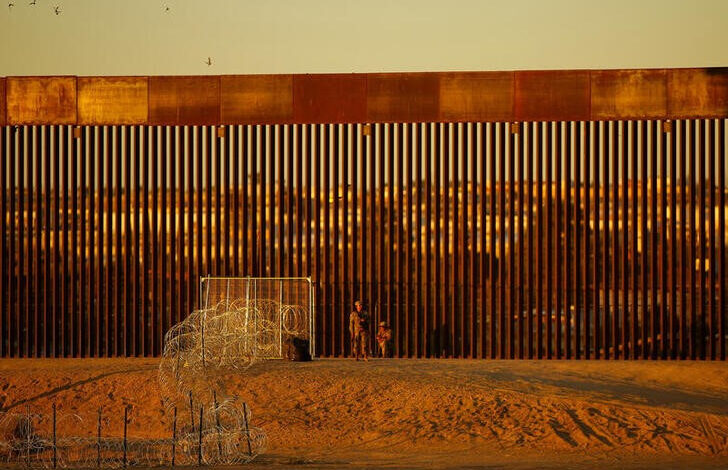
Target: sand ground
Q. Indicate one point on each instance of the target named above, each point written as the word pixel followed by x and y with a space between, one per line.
pixel 335 413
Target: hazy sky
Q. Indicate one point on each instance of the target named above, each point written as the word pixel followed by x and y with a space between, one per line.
pixel 139 37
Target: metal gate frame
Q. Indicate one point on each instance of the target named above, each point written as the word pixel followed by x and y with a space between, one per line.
pixel 204 294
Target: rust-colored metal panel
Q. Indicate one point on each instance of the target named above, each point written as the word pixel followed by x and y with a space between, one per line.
pixel 256 99
pixel 476 96
pixel 551 95
pixel 2 101
pixel 400 97
pixel 184 100
pixel 329 98
pixel 112 100
pixel 41 100
pixel 697 92
pixel 623 94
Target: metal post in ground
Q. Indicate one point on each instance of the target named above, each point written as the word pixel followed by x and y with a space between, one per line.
pixel 192 413
pixel 199 446
pixel 174 435
pixel 247 429
pixel 98 441
pixel 55 451
pixel 217 423
pixel 28 432
pixel 126 415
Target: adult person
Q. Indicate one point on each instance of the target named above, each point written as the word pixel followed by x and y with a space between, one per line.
pixel 384 336
pixel 359 331
pixel 354 328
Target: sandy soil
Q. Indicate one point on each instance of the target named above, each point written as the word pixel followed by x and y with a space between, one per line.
pixel 426 413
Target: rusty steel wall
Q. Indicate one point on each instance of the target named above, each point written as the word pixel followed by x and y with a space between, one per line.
pixel 420 97
pixel 566 239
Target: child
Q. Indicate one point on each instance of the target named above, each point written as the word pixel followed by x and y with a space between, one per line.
pixel 384 335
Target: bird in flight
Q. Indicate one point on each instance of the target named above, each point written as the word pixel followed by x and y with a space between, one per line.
pixel 208 61
pixel 33 2
pixel 57 10
pixel 166 8
pixel 10 6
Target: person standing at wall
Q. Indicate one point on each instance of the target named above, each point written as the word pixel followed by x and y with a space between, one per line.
pixel 354 329
pixel 359 331
pixel 384 336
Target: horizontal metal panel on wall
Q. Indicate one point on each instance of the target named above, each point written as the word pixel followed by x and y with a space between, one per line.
pixel 546 95
pixel 564 239
pixel 113 100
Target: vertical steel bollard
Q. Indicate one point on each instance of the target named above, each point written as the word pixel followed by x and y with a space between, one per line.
pixel 55 454
pixel 174 435
pixel 217 423
pixel 199 447
pixel 247 429
pixel 28 431
pixel 192 413
pixel 126 411
pixel 98 441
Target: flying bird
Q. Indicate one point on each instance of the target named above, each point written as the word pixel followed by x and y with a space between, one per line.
pixel 10 6
pixel 166 8
pixel 57 10
pixel 208 61
pixel 33 2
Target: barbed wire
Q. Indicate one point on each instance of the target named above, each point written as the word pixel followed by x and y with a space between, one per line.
pixel 232 334
pixel 207 426
pixel 222 437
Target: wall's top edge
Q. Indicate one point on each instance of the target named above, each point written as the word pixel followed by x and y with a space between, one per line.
pixel 441 72
pixel 469 96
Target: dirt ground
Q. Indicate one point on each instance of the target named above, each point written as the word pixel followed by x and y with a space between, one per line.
pixel 337 413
